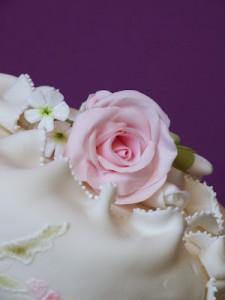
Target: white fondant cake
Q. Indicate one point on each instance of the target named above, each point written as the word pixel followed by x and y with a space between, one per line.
pixel 110 207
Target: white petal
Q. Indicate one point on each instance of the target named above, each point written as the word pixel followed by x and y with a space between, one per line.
pixel 32 115
pixel 60 126
pixel 59 149
pixel 45 89
pixel 61 111
pixel 47 124
pixel 36 99
pixel 50 147
pixel 54 97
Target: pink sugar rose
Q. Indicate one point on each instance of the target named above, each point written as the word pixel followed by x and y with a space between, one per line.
pixel 122 138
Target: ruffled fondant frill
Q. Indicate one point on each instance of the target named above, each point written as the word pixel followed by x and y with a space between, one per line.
pixel 172 241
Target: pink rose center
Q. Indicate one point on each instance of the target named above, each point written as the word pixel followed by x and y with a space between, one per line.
pixel 121 150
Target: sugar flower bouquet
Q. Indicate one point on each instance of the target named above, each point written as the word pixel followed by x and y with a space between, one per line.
pixel 122 139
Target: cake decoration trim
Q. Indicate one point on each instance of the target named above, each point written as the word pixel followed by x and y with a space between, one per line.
pixel 211 289
pixel 196 241
pixel 206 221
pixel 39 289
pixel 202 199
pixel 9 283
pixel 13 101
pixel 36 288
pixel 51 295
pixel 144 221
pixel 24 249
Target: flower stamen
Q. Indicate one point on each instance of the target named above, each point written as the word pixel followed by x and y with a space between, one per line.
pixel 60 137
pixel 45 111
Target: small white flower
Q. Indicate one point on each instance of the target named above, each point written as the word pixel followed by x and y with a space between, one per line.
pixel 47 106
pixel 57 139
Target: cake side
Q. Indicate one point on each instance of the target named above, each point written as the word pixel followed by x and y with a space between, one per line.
pixel 69 235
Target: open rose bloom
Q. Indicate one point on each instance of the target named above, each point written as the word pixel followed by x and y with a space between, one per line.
pixel 122 138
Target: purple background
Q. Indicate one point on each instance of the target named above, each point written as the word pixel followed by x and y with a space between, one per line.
pixel 171 50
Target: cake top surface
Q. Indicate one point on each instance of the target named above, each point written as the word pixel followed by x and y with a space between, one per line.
pixel 120 183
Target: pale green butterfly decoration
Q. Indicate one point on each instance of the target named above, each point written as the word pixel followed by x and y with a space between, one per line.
pixel 11 284
pixel 25 248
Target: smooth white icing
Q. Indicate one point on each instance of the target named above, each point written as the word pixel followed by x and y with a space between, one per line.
pixel 109 252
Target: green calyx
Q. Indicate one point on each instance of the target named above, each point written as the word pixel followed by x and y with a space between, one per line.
pixel 69 121
pixel 185 158
pixel 45 111
pixel 175 137
pixel 60 137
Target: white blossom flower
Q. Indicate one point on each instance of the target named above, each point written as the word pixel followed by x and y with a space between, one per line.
pixel 47 106
pixel 57 139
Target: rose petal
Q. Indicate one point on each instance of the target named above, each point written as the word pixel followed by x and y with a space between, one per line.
pixel 122 150
pixel 123 181
pixel 134 119
pixel 141 194
pixel 108 150
pixel 78 143
pixel 92 151
pixel 145 160
pixel 131 143
pixel 108 130
pixel 94 98
pixel 165 155
pixel 105 151
pixel 124 98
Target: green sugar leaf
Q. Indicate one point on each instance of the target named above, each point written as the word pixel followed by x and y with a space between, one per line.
pixel 185 158
pixel 24 249
pixel 10 284
pixel 175 137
